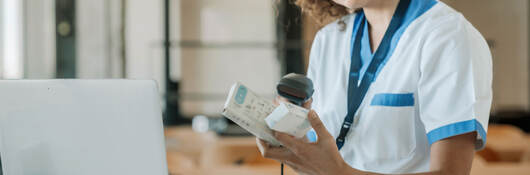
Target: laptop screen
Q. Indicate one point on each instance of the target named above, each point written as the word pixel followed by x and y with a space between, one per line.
pixel 107 126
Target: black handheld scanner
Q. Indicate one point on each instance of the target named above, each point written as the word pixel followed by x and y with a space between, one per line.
pixel 297 88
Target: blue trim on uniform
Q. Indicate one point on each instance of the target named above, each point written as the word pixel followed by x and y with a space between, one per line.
pixel 311 135
pixel 366 50
pixel 415 10
pixel 457 129
pixel 358 86
pixel 387 99
pixel 405 13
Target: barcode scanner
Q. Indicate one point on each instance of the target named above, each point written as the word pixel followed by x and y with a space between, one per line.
pixel 296 88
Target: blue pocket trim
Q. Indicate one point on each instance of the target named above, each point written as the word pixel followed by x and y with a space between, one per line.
pixel 387 99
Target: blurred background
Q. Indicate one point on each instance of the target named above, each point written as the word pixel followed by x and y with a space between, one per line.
pixel 196 49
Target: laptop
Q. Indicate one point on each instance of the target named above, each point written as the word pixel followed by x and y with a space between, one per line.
pixel 81 127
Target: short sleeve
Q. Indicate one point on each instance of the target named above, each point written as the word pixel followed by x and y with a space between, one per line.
pixel 314 57
pixel 314 65
pixel 312 69
pixel 454 90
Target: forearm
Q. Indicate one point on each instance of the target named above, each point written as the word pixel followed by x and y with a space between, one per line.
pixel 452 156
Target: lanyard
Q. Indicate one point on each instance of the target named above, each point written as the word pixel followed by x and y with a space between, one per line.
pixel 357 92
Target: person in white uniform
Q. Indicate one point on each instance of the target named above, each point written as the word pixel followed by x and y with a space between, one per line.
pixel 401 87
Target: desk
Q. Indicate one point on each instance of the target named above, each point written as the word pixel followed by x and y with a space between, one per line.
pixel 192 153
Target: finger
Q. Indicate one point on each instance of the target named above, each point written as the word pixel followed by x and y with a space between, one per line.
pixel 298 167
pixel 288 141
pixel 308 103
pixel 279 99
pixel 273 152
pixel 295 167
pixel 276 101
pixel 261 144
pixel 261 141
pixel 280 154
pixel 318 126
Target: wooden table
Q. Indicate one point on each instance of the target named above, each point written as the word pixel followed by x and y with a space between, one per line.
pixel 192 153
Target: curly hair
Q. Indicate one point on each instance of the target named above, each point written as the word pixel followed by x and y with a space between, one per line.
pixel 323 11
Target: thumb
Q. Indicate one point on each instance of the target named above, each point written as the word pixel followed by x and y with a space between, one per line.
pixel 318 126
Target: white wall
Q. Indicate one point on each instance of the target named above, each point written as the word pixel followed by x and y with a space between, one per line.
pixel 93 42
pixel 98 39
pixel 13 39
pixel 208 72
pixel 506 24
pixel 175 13
pixel 1 40
pixel 114 37
pixel 39 35
pixel 144 37
pixel 204 72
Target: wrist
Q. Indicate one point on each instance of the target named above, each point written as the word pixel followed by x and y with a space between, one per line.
pixel 345 169
pixel 348 170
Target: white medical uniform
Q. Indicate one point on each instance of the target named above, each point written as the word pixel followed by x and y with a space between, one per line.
pixel 435 83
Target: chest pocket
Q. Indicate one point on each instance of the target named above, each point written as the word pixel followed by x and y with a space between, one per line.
pixel 390 120
pixel 388 99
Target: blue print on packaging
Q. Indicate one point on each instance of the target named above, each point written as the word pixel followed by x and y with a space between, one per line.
pixel 241 94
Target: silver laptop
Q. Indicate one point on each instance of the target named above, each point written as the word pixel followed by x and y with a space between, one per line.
pixel 78 127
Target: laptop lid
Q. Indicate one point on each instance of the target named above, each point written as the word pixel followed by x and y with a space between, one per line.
pixel 65 127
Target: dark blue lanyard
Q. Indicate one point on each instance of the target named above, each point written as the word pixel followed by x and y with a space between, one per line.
pixel 357 92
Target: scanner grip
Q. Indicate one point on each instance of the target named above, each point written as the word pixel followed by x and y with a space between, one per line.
pixel 297 88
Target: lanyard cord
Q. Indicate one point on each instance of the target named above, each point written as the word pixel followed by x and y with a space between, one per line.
pixel 356 93
pixel 281 171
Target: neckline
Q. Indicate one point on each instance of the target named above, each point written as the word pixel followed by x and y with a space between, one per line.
pixel 366 42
